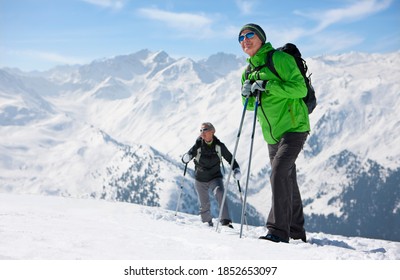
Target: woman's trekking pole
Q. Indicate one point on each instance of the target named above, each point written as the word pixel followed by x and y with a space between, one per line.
pixel 180 192
pixel 232 161
pixel 241 200
pixel 249 168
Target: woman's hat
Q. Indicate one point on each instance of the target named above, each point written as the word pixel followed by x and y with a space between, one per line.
pixel 256 29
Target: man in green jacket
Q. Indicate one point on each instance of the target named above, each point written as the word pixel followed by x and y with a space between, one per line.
pixel 285 124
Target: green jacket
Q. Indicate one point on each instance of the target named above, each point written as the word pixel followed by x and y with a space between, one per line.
pixel 282 108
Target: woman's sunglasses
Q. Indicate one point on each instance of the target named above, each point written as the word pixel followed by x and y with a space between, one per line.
pixel 248 35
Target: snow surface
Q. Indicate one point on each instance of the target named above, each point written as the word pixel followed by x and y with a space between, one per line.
pixel 49 237
pixel 34 227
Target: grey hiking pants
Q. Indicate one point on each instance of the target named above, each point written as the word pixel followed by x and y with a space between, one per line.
pixel 217 187
pixel 286 218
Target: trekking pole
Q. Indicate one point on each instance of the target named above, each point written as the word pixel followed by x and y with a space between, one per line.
pixel 232 161
pixel 248 169
pixel 180 192
pixel 241 200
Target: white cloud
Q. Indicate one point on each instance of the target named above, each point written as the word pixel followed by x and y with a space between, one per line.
pixel 245 6
pixel 356 11
pixel 195 24
pixel 333 43
pixel 114 4
pixel 328 41
pixel 47 56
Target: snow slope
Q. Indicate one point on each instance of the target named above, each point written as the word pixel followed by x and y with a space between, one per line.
pixel 49 237
pixel 34 227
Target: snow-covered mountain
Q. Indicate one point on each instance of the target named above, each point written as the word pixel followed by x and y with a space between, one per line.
pixel 116 129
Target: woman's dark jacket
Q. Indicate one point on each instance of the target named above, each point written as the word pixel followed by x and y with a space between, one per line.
pixel 207 166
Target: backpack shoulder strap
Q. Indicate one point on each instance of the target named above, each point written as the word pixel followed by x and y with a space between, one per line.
pixel 197 147
pixel 218 150
pixel 270 64
pixel 198 155
pixel 247 72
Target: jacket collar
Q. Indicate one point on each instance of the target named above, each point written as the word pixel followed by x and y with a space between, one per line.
pixel 259 58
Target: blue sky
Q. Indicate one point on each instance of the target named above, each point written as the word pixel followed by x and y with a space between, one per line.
pixel 40 34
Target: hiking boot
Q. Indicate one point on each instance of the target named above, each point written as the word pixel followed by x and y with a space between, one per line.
pixel 210 223
pixel 302 237
pixel 227 223
pixel 273 238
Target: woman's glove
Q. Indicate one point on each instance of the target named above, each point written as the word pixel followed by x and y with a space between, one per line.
pixel 236 174
pixel 246 89
pixel 258 85
pixel 186 158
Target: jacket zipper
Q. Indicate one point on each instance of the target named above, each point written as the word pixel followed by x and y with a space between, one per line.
pixel 269 124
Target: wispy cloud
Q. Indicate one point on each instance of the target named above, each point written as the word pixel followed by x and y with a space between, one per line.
pixel 354 12
pixel 325 39
pixel 113 4
pixel 189 24
pixel 245 6
pixel 47 56
pixel 333 43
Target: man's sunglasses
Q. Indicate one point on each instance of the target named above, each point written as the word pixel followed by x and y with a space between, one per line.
pixel 248 35
pixel 204 130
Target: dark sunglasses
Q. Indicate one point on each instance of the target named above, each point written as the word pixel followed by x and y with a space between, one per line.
pixel 204 130
pixel 248 35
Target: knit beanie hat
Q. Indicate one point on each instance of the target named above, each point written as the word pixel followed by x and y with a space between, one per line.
pixel 208 125
pixel 256 29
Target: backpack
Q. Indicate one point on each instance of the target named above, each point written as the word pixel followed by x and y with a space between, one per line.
pixel 217 150
pixel 310 100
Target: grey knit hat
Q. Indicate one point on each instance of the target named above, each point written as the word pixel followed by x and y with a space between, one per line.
pixel 208 125
pixel 256 29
